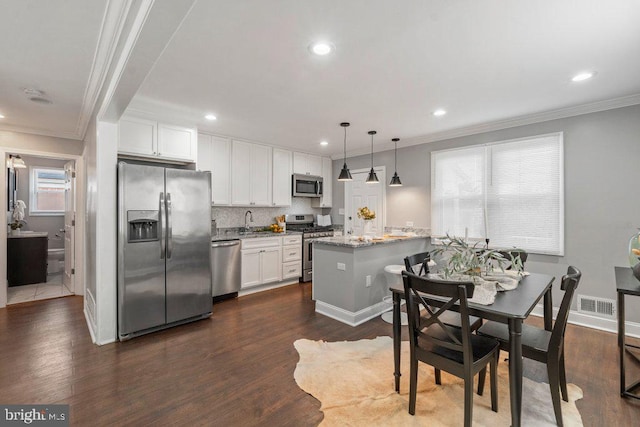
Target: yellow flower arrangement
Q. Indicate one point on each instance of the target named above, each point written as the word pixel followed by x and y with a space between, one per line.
pixel 366 214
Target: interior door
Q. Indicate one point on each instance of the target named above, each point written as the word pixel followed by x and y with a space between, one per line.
pixel 69 225
pixel 359 194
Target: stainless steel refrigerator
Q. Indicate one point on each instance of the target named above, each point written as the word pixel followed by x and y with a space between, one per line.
pixel 164 241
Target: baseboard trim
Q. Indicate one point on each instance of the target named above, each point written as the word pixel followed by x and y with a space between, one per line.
pixel 266 287
pixel 632 329
pixel 348 317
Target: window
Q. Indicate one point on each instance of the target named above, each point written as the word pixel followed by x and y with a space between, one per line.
pixel 510 192
pixel 47 191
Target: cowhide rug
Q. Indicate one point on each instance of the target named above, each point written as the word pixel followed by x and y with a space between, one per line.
pixel 355 385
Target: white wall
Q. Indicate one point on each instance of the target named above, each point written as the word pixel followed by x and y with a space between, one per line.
pixel 100 298
pixel 602 208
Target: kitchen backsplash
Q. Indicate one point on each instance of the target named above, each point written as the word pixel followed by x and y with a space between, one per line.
pixel 234 217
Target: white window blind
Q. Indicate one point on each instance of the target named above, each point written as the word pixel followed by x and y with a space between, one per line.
pixel 510 192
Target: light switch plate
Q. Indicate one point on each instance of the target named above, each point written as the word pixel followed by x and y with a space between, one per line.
pixel 341 211
pixel 409 223
pixel 342 266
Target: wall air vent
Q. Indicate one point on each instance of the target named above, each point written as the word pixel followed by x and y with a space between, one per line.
pixel 600 306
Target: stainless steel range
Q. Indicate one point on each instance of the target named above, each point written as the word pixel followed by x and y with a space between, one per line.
pixel 304 223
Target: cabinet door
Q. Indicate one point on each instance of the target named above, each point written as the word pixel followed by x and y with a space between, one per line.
pixel 176 142
pixel 241 173
pixel 314 165
pixel 281 177
pixel 327 182
pixel 271 265
pixel 250 272
pixel 221 172
pixel 327 185
pixel 137 136
pixel 204 161
pixel 260 175
pixel 300 163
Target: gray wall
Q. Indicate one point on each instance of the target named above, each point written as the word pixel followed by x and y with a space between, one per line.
pixel 50 224
pixel 602 208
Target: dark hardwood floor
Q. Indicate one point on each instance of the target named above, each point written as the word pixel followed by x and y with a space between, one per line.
pixel 234 369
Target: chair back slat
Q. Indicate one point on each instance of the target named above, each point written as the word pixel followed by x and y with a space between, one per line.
pixel 421 259
pixel 457 292
pixel 568 285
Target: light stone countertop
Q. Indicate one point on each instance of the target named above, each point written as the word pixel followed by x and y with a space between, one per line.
pixel 27 234
pixel 251 235
pixel 354 242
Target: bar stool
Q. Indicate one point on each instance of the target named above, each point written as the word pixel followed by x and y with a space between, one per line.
pixel 393 274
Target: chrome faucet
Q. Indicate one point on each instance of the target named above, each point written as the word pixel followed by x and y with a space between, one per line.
pixel 246 226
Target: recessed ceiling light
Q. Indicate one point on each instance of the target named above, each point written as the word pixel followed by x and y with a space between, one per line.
pixel 321 48
pixel 439 112
pixel 324 143
pixel 210 117
pixel 582 76
pixel 1 116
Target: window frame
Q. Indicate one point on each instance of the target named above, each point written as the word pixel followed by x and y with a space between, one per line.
pixel 33 211
pixel 488 171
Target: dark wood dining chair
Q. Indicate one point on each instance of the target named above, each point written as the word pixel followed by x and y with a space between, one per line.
pixel 542 345
pixel 454 350
pixel 450 318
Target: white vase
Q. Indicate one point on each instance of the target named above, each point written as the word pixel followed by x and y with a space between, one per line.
pixel 367 228
pixel 15 232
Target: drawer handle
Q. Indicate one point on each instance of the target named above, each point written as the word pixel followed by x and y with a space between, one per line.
pixel 292 271
pixel 292 253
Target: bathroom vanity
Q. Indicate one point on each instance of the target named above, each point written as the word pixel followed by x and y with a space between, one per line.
pixel 27 258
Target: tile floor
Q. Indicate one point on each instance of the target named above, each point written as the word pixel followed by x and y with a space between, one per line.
pixel 53 288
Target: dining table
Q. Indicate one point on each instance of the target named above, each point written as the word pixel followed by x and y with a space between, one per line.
pixel 510 307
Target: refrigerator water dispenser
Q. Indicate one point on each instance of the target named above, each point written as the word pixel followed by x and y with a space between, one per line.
pixel 142 226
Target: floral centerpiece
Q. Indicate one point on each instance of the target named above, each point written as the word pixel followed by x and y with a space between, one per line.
pixel 17 225
pixel 473 260
pixel 366 214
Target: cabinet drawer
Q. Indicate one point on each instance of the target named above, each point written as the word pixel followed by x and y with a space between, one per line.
pixel 291 269
pixel 295 239
pixel 261 242
pixel 291 253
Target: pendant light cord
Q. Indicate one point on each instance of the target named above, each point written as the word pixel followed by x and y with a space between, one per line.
pixel 371 151
pixel 395 157
pixel 345 145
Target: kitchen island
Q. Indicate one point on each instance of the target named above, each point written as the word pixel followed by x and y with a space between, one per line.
pixel 348 274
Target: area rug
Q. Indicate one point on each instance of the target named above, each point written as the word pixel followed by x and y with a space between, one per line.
pixel 355 385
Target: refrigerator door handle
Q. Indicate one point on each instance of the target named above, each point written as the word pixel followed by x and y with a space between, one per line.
pixel 169 227
pixel 161 231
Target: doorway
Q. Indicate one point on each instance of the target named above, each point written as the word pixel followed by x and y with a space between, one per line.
pixel 358 194
pixel 40 240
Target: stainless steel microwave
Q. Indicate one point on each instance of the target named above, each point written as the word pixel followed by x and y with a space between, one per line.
pixel 306 185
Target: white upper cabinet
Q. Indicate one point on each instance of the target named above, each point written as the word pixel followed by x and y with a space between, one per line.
pixel 281 177
pixel 155 141
pixel 214 155
pixel 176 142
pixel 326 200
pixel 251 174
pixel 137 137
pixel 307 164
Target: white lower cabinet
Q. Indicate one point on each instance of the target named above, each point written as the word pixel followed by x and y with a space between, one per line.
pixel 261 261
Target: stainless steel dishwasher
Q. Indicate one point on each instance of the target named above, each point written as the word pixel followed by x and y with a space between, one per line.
pixel 225 267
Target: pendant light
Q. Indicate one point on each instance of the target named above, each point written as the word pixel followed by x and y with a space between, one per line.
pixel 395 181
pixel 372 178
pixel 345 175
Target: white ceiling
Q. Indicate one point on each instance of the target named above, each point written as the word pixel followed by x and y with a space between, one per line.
pixel 489 62
pixel 48 46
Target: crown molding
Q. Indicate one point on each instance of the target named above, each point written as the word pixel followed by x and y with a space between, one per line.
pixel 113 22
pixel 528 119
pixel 41 132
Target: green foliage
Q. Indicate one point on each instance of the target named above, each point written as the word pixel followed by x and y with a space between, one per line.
pixel 463 258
